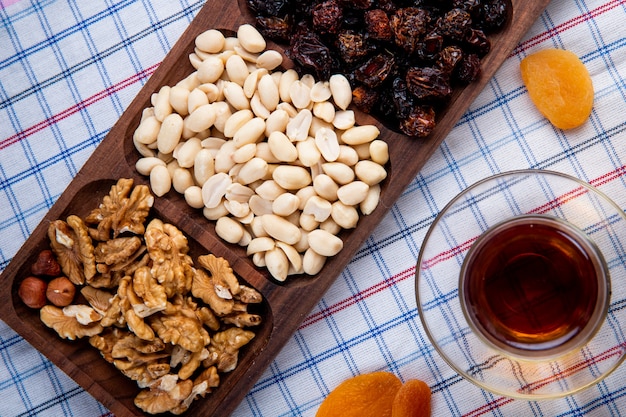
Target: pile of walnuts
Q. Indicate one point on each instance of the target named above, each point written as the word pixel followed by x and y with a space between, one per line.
pixel 132 288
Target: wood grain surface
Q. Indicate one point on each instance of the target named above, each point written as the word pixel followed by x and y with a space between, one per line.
pixel 286 304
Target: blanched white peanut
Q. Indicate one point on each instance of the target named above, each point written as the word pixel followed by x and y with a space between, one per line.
pixel 341 90
pixel 277 263
pixel 170 133
pixel 263 151
pixel 291 177
pixel 300 94
pixel 211 41
pixel 324 111
pixel 224 157
pixel 325 187
pixel 212 91
pixel 285 204
pixel 298 127
pixel 187 152
pixel 276 122
pixel 260 206
pixel 162 106
pixel 345 216
pixel 304 194
pixel 317 207
pixel 250 132
pixel 253 170
pixel 160 180
pixel 237 69
pixel 250 38
pixel 234 94
pixel 358 135
pixel 203 166
pixel 268 92
pixel 282 148
pixel 312 262
pixel 320 92
pixel 222 113
pixel 252 81
pixel 269 59
pixel 258 108
pixel 145 165
pixel 229 229
pixel 201 119
pixel 269 190
pixel 237 209
pixel 307 222
pixel 330 226
pixel 327 143
pixel 308 152
pixel 236 120
pixel 244 153
pixel 295 259
pixel 353 193
pixel 344 119
pixel 210 70
pixel 325 243
pixel 249 57
pixel 284 87
pixel 215 188
pixel 193 197
pixel 239 192
pixel 181 180
pixel 179 97
pixel 340 173
pixel 347 155
pixel 370 172
pixel 260 244
pixel 379 151
pixel 147 131
pixel 214 213
pixel 281 229
pixel 195 99
pixel 370 203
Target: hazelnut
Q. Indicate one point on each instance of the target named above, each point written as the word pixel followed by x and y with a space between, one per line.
pixel 61 291
pixel 46 264
pixel 32 291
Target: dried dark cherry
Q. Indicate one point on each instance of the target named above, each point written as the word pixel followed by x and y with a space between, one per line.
pixel 377 25
pixel 327 16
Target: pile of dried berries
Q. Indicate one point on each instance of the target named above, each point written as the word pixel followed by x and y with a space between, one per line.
pixel 133 290
pixel 403 58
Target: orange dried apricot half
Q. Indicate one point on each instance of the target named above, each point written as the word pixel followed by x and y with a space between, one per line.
pixel 366 395
pixel 412 400
pixel 559 85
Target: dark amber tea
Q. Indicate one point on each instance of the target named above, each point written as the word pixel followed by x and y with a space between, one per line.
pixel 534 286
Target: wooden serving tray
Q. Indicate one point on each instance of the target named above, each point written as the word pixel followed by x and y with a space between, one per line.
pixel 286 304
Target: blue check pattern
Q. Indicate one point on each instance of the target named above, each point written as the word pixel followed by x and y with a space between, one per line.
pixel 69 68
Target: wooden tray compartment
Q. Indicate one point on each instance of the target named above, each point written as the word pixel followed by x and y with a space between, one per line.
pixel 286 304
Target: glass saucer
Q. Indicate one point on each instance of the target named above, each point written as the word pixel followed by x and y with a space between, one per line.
pixel 458 226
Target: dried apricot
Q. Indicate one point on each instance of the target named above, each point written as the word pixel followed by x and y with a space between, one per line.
pixel 412 400
pixel 559 85
pixel 366 395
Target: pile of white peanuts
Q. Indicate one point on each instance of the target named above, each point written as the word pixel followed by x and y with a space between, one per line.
pixel 275 159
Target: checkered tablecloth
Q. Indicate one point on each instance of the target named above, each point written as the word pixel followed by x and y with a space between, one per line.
pixel 69 68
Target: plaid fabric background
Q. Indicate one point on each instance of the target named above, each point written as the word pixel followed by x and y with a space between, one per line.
pixel 69 68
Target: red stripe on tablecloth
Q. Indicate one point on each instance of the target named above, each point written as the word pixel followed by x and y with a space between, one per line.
pixel 535 40
pixel 78 107
pixel 103 94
